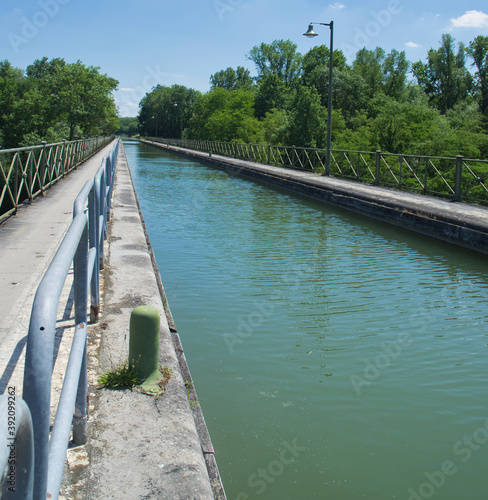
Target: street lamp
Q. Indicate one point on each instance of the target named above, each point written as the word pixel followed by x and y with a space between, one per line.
pixel 181 118
pixel 311 34
pixel 156 118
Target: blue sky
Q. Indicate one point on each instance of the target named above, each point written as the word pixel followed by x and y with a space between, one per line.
pixel 168 42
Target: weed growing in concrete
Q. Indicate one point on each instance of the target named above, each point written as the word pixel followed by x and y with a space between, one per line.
pixel 125 376
pixel 189 385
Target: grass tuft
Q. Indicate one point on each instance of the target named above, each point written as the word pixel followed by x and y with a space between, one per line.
pixel 125 376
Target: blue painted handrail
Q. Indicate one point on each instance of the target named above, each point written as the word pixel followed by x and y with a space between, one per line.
pixel 82 246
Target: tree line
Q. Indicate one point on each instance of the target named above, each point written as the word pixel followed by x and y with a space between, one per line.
pixel 381 101
pixel 53 100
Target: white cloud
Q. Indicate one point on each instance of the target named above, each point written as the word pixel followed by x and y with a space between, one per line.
pixel 413 45
pixel 471 19
pixel 337 5
pixel 126 89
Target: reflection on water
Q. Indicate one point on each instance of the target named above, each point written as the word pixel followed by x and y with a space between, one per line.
pixel 335 357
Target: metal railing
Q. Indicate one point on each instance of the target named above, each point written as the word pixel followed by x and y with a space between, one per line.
pixel 82 246
pixel 456 178
pixel 16 448
pixel 26 173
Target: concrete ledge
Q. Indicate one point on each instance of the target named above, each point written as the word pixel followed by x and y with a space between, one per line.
pixel 457 223
pixel 139 446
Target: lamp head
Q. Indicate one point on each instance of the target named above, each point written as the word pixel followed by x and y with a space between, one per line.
pixel 310 33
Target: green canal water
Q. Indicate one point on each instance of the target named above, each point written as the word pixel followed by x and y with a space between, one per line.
pixel 335 357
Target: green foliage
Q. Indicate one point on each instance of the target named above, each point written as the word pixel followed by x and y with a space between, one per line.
pixel 54 100
pixel 223 115
pixel 125 376
pixel 444 112
pixel 231 79
pixel 308 120
pixel 444 78
pixel 166 111
pixel 129 126
pixel 280 58
pixel 478 51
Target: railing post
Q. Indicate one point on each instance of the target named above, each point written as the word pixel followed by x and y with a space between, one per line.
pixel 80 265
pixel 293 156
pixel 98 229
pixel 458 187
pixel 30 187
pixel 378 168
pixel 400 179
pixel 16 181
pixel 63 157
pixel 93 243
pixel 42 167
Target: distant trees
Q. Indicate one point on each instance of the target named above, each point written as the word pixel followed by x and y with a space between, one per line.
pixel 445 78
pixel 54 100
pixel 279 58
pixel 443 111
pixel 128 126
pixel 478 51
pixel 166 111
pixel 230 79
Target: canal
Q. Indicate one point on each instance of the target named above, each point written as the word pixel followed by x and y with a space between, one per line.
pixel 335 357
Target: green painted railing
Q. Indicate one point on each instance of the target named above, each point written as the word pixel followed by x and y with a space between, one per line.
pixel 456 178
pixel 26 173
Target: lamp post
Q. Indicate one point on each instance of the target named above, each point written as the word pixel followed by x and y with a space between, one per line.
pixel 181 117
pixel 156 118
pixel 311 34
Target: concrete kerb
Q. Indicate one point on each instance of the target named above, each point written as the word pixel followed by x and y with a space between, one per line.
pixel 456 223
pixel 139 446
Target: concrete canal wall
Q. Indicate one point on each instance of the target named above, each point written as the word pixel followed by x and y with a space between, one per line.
pixel 457 223
pixel 139 446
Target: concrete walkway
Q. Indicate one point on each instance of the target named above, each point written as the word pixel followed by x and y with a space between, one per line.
pixel 139 446
pixel 28 242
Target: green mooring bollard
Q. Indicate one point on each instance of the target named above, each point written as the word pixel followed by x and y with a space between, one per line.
pixel 144 340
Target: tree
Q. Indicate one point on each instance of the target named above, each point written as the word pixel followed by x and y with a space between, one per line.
pixel 225 115
pixel 129 126
pixel 308 125
pixel 444 78
pixel 84 99
pixel 166 111
pixel 369 66
pixel 280 58
pixel 315 70
pixel 230 79
pixel 350 94
pixel 12 84
pixel 395 68
pixel 271 94
pixel 478 50
pixel 54 100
